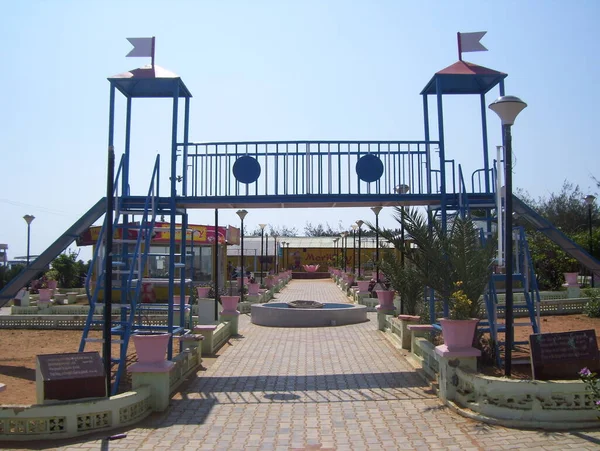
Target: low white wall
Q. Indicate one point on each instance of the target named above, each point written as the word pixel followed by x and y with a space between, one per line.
pixel 70 419
pixel 517 403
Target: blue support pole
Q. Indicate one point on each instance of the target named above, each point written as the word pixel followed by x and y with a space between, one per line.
pixel 106 345
pixel 183 259
pixel 486 163
pixel 124 192
pixel 172 242
pixel 186 130
pixel 438 88
pixel 427 138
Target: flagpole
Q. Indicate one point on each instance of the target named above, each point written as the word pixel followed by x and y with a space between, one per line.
pixel 457 39
pixel 154 39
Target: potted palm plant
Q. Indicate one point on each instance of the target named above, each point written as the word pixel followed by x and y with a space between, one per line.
pixel 448 259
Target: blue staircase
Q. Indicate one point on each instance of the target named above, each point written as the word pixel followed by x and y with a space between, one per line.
pixel 564 242
pixel 42 261
pixel 525 286
pixel 130 254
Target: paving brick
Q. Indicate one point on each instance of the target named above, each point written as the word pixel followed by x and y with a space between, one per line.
pixel 342 388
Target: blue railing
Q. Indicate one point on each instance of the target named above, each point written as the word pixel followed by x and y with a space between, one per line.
pixel 308 167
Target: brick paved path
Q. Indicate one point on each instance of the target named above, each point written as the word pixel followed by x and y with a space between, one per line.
pixel 336 388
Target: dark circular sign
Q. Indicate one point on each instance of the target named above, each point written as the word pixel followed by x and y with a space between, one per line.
pixel 369 168
pixel 246 169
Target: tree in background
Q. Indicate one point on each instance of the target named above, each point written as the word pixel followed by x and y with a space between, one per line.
pixel 71 272
pixel 7 274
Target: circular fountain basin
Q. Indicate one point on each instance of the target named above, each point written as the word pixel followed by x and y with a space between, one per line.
pixel 280 314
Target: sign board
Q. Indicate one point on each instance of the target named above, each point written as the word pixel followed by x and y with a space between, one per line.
pixel 563 355
pixel 77 375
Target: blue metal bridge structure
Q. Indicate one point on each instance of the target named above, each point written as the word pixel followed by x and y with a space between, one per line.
pixel 278 174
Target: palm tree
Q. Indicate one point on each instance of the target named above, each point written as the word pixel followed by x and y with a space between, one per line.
pixel 444 258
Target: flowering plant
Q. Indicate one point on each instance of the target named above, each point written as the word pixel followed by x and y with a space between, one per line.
pixel 460 305
pixel 591 383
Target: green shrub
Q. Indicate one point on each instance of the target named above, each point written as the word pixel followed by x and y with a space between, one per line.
pixel 592 307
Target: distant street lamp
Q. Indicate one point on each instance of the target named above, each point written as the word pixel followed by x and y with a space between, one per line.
pixel 589 200
pixel 242 214
pixel 192 250
pixel 335 240
pixel 402 189
pixel 267 249
pixel 345 248
pixel 283 253
pixel 28 219
pixel 376 210
pixel 287 256
pixel 276 269
pixel 359 223
pixel 262 236
pixel 354 227
pixel 508 108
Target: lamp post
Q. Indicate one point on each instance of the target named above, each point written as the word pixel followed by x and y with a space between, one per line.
pixel 242 214
pixel 335 240
pixel 344 236
pixel 262 236
pixel 287 256
pixel 283 253
pixel 354 227
pixel 359 223
pixel 589 200
pixel 402 189
pixel 276 269
pixel 267 249
pixel 28 219
pixel 376 210
pixel 508 108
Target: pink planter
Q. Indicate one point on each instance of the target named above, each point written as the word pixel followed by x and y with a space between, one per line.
pixel 253 289
pixel 350 280
pixel 571 279
pixel 269 282
pixel 230 303
pixel 386 298
pixel 311 268
pixel 363 286
pixel 458 334
pixel 45 294
pixel 203 291
pixel 151 348
pixel 53 284
pixel 177 299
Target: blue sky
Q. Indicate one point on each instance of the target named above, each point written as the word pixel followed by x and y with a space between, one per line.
pixel 281 70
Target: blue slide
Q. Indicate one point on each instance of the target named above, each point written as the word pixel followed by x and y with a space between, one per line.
pixel 42 262
pixel 563 241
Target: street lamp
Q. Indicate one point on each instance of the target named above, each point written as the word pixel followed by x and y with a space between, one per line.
pixel 283 252
pixel 402 189
pixel 335 240
pixel 276 269
pixel 359 223
pixel 354 227
pixel 192 251
pixel 262 236
pixel 344 236
pixel 589 200
pixel 508 108
pixel 287 256
pixel 242 214
pixel 376 210
pixel 28 219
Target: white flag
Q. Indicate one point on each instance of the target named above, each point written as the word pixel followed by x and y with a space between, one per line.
pixel 469 42
pixel 141 47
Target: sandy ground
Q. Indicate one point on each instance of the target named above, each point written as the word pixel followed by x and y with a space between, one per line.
pixel 20 348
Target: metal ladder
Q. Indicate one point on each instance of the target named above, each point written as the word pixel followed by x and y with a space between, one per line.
pixel 129 263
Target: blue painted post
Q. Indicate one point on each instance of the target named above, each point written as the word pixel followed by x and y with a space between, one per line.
pixel 186 129
pixel 172 242
pixel 106 346
pixel 427 145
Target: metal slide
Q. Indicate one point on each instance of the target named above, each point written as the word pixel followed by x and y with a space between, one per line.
pixel 46 257
pixel 564 242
